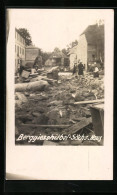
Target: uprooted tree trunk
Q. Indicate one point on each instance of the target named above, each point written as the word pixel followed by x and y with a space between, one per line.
pixel 33 86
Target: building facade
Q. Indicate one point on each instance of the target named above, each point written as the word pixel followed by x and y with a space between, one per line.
pixel 19 48
pixel 91 45
pixel 72 56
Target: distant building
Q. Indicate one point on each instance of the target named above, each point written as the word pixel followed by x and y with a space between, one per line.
pixel 31 53
pixel 58 59
pixel 72 56
pixel 91 45
pixel 19 48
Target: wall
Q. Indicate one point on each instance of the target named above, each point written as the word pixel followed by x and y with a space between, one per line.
pixel 19 48
pixel 82 50
pixel 92 53
pixel 31 54
pixel 72 58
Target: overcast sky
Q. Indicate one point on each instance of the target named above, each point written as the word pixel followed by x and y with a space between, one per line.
pixel 50 28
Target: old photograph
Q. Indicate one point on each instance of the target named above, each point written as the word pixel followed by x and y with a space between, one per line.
pixel 59 78
pixel 59 118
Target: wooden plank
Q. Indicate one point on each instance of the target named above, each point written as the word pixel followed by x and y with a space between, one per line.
pixel 90 101
pixel 51 126
pixel 78 126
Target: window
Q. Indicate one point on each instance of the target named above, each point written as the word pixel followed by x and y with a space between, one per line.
pixel 18 50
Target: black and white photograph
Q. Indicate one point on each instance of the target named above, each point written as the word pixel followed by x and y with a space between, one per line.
pixel 57 68
pixel 59 79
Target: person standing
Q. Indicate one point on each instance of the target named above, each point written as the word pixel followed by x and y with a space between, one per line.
pixel 80 69
pixel 96 72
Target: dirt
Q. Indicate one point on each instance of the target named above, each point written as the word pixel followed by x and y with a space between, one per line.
pixel 55 106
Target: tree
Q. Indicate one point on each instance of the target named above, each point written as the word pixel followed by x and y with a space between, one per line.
pixel 56 49
pixel 72 44
pixel 65 51
pixel 25 33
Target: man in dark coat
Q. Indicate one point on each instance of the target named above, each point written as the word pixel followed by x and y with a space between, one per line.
pixel 80 69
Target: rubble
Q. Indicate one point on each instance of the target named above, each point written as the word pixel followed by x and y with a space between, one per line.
pixel 53 73
pixel 20 99
pixel 48 104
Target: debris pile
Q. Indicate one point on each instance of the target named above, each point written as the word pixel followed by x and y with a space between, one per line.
pixel 47 105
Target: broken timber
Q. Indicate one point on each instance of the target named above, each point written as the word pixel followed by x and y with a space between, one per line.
pixel 51 126
pixel 78 126
pixel 90 101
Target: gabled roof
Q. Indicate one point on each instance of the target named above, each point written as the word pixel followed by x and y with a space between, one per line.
pixel 59 54
pixel 93 32
pixel 19 33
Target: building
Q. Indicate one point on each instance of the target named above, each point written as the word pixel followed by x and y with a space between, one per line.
pixel 31 53
pixel 19 48
pixel 91 45
pixel 72 56
pixel 58 58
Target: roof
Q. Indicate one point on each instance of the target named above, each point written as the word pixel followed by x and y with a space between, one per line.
pixel 19 33
pixel 92 32
pixel 73 50
pixel 31 47
pixel 58 54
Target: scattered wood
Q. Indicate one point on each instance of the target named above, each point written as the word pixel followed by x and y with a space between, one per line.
pixel 25 74
pixel 78 126
pixel 34 74
pixel 51 126
pixel 90 101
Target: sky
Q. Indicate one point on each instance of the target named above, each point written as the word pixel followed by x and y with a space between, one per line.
pixel 50 28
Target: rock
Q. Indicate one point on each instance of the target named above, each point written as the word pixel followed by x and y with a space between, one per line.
pixel 20 96
pixel 32 95
pixel 53 73
pixel 85 94
pixel 42 119
pixel 41 110
pixel 36 114
pixel 72 90
pixel 26 94
pixel 39 97
pixel 55 103
pixel 19 99
pixel 79 97
pixel 86 112
pixel 24 118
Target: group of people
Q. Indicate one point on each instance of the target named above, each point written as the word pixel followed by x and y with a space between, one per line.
pixel 78 69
